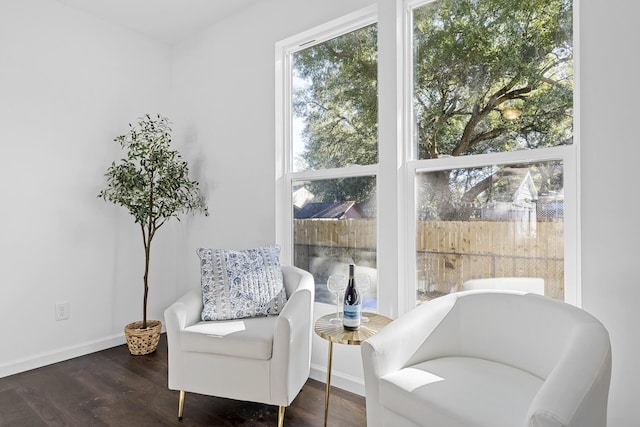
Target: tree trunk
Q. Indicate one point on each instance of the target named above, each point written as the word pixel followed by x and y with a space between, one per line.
pixel 147 253
pixel 448 207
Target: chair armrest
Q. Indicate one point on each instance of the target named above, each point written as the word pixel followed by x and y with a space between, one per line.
pixel 184 312
pixel 291 358
pixel 396 345
pixel 572 394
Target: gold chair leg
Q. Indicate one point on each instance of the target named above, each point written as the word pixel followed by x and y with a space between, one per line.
pixel 180 405
pixel 281 416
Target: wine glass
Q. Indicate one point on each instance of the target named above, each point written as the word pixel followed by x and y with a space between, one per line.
pixel 337 283
pixel 363 282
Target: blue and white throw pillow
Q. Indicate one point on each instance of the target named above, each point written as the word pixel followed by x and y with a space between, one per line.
pixel 239 284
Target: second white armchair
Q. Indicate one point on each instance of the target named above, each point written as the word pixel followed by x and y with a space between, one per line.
pixel 489 359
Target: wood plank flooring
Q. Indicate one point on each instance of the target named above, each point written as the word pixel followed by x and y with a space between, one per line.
pixel 113 388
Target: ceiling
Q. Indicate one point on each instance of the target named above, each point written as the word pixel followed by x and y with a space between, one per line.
pixel 168 21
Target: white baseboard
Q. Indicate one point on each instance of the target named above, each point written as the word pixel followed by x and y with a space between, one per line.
pixel 338 379
pixel 61 354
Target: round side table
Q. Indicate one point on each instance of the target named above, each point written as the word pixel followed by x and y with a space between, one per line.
pixel 335 333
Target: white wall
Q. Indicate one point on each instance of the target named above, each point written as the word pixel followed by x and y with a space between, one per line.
pixel 69 84
pixel 610 200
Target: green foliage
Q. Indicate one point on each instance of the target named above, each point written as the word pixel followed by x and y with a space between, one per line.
pixel 474 58
pixel 357 189
pixel 151 182
pixel 340 104
pixel 473 61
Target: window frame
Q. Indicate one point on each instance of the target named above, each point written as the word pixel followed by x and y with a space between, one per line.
pixel 285 175
pixel 563 153
pixel 397 165
pixel 568 154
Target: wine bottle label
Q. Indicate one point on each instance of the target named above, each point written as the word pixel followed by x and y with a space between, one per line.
pixel 351 316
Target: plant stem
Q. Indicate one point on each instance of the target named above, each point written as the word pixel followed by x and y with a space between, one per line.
pixel 147 253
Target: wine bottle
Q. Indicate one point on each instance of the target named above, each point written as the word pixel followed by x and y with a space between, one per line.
pixel 352 309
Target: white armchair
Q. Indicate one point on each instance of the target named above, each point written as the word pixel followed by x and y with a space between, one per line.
pixel 489 359
pixel 262 359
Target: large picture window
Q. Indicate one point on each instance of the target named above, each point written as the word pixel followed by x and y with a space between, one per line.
pixel 432 145
pixel 491 78
pixel 332 159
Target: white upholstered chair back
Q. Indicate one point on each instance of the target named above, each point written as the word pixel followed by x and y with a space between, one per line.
pixel 526 331
pixel 533 285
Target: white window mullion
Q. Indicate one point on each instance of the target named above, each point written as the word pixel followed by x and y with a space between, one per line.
pixel 391 187
pixel 479 160
pixel 571 231
pixel 409 263
pixel 352 171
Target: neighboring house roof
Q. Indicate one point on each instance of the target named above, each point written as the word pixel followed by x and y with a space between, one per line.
pixel 339 210
pixel 519 197
pixel 526 194
pixel 516 186
pixel 311 209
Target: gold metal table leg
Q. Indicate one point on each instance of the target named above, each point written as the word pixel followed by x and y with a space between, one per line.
pixel 180 405
pixel 328 387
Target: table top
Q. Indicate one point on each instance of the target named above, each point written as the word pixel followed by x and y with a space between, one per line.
pixel 334 332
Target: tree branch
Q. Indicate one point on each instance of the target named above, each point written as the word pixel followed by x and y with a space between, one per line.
pixel 471 194
pixel 500 97
pixel 484 136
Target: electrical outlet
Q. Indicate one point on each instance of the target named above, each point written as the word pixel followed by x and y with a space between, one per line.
pixel 62 311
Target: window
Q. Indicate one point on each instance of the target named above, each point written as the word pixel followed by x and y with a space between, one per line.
pixel 492 76
pixel 329 177
pixel 513 228
pixel 450 157
pixel 492 138
pixel 334 102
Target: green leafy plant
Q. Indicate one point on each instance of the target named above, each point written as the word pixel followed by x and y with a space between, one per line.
pixel 152 182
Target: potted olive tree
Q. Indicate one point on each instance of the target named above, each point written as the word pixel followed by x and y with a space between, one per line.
pixel 152 182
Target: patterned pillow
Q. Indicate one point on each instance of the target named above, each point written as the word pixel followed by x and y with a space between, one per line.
pixel 239 284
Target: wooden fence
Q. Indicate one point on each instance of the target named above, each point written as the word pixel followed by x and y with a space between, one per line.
pixel 448 252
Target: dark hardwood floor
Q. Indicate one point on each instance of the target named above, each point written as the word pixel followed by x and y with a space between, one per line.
pixel 113 388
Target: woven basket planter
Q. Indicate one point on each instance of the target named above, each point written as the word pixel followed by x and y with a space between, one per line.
pixel 143 341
